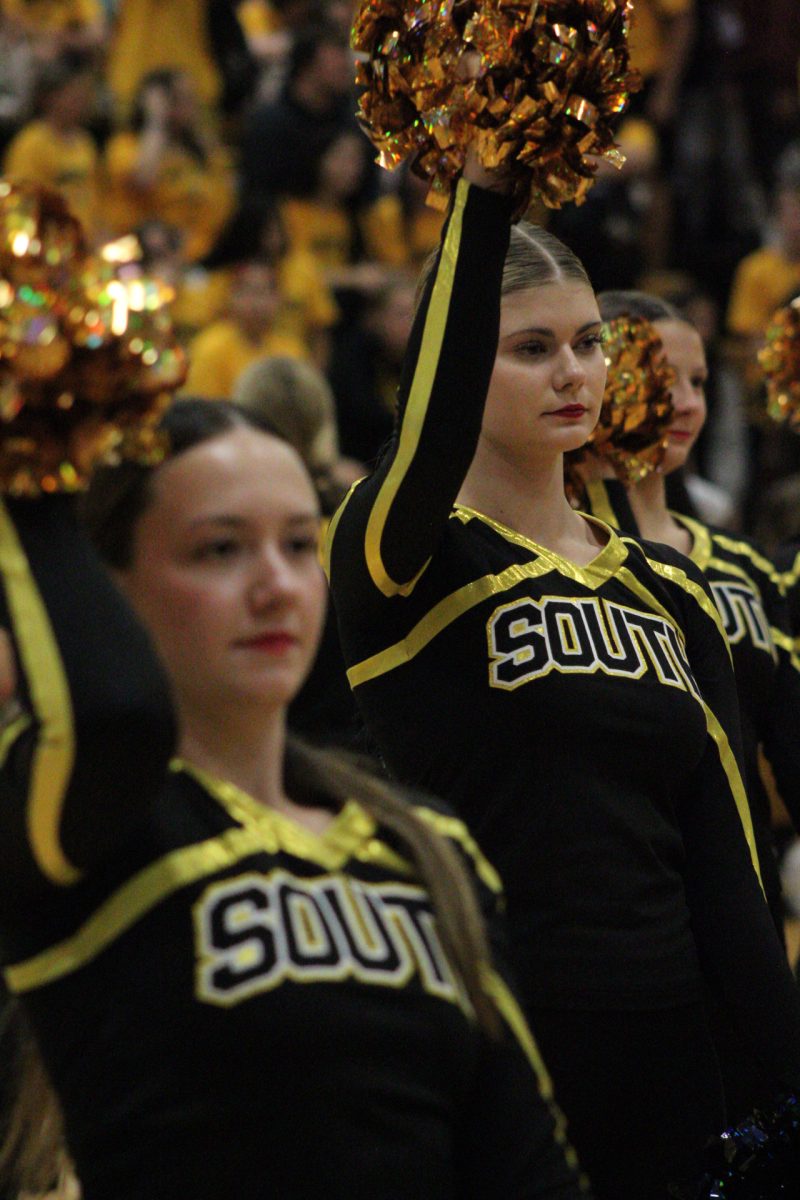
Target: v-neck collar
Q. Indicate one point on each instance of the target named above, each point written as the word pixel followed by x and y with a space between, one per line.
pixel 701 549
pixel 592 575
pixel 347 832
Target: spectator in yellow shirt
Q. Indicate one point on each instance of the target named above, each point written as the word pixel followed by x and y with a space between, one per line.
pixel 770 275
pixel 168 166
pixel 55 27
pixel 308 310
pixel 161 35
pixel 55 149
pixel 219 354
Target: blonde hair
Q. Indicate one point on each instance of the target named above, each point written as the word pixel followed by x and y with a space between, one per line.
pixel 535 258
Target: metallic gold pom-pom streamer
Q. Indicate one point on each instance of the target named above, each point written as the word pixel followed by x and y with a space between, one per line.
pixel 780 361
pixel 633 429
pixel 88 357
pixel 535 85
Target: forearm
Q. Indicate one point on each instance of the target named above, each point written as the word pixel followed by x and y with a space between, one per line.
pixel 96 694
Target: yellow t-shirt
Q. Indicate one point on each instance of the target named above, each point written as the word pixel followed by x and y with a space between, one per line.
pixel 321 230
pixel 258 17
pixel 647 45
pixel 52 16
pixel 307 305
pixel 219 354
pixel 195 198
pixel 764 280
pixel 150 35
pixel 70 163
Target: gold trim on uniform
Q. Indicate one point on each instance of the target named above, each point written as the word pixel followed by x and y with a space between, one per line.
pixel 417 404
pixel 600 504
pixel 10 733
pixel 731 769
pixel 455 829
pixel 54 755
pixel 695 590
pixel 440 616
pixel 593 575
pixel 495 987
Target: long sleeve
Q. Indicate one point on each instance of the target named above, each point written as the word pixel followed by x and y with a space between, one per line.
pixel 93 751
pixel 739 949
pixel 511 1136
pixel 392 522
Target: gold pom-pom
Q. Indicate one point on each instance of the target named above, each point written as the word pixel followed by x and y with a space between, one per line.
pixel 535 86
pixel 632 432
pixel 88 355
pixel 780 361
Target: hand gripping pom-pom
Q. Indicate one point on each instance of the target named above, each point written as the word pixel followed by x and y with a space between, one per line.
pixel 88 356
pixel 547 80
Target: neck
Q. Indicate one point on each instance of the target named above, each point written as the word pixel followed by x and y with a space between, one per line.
pixel 648 500
pixel 527 497
pixel 246 750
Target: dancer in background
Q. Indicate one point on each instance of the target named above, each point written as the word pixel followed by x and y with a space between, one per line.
pixel 571 694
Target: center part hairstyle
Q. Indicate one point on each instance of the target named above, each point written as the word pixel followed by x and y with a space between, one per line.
pixel 117 497
pixel 535 258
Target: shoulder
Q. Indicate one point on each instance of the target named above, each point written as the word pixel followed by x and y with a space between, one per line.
pixel 675 575
pixel 439 817
pixel 219 334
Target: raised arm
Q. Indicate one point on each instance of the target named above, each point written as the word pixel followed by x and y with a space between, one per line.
pixel 88 755
pixel 391 522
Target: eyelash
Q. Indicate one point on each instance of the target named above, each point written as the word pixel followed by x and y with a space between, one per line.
pixel 587 344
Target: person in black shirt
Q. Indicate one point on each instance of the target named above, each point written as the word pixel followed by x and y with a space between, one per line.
pixel 250 970
pixel 570 692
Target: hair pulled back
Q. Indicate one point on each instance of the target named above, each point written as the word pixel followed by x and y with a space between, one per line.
pixel 116 499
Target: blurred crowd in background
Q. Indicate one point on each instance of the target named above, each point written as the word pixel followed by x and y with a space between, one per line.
pixel 223 135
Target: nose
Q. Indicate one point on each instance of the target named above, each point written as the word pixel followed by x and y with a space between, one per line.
pixel 685 397
pixel 568 374
pixel 273 583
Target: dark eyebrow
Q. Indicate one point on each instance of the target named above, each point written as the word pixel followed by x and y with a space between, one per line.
pixel 233 522
pixel 551 333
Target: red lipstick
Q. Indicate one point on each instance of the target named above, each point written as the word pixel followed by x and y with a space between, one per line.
pixel 571 411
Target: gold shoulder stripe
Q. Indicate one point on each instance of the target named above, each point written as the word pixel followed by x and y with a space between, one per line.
pixel 698 593
pixel 10 733
pixel 327 545
pixel 506 1004
pixel 743 548
pixel 130 903
pixel 159 881
pixel 456 830
pixel 54 755
pixel 442 615
pixel 787 579
pixel 600 503
pixel 789 644
pixel 644 594
pixel 418 399
pixel 700 552
pixel 731 769
pixel 728 568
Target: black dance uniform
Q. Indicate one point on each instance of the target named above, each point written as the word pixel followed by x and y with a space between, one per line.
pixel 229 1005
pixel 747 590
pixel 583 719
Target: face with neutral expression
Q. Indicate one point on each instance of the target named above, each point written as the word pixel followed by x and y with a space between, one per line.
pixel 225 572
pixel 549 375
pixel 685 353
